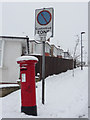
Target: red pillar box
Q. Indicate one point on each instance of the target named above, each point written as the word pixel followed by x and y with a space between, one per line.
pixel 28 89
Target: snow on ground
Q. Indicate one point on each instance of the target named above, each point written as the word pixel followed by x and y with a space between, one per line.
pixel 65 97
pixel 8 85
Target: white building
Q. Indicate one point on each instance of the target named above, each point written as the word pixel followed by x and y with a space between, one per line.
pixel 10 49
pixel 36 48
pixel 47 49
pixel 59 53
pixel 54 51
pixel 67 55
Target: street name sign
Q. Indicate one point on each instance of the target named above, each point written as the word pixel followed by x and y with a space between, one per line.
pixel 44 21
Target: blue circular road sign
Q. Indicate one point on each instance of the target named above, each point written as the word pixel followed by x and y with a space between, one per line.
pixel 44 17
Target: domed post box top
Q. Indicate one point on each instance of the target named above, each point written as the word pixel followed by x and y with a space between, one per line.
pixel 26 60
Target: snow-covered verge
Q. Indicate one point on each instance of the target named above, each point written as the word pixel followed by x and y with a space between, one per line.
pixel 8 85
pixel 65 97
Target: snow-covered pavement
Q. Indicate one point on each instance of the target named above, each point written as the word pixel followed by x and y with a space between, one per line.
pixel 65 97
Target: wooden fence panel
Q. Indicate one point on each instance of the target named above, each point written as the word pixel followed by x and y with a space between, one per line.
pixel 53 65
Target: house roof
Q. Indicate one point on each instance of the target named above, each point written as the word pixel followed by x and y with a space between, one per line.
pixel 54 46
pixel 35 41
pixel 48 43
pixel 39 42
pixel 68 54
pixel 15 37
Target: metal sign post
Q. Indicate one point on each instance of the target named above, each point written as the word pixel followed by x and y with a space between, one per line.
pixel 43 39
pixel 43 73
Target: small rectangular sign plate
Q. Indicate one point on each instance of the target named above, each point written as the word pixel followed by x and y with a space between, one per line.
pixel 23 77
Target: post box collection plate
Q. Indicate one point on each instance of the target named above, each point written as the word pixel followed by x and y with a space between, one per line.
pixel 23 77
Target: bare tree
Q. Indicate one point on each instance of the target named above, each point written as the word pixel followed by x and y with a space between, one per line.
pixel 74 54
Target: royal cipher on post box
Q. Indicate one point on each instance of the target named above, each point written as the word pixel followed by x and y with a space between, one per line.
pixel 28 88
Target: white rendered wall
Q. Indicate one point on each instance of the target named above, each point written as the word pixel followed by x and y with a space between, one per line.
pixel 47 48
pixel 0 74
pixel 10 69
pixel 58 52
pixel 32 47
pixel 55 52
pixel 39 49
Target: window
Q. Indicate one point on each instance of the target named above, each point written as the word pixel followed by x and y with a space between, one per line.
pixel 0 51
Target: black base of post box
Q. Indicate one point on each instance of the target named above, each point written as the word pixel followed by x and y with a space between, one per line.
pixel 31 110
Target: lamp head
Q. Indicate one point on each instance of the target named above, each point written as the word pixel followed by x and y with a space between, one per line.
pixel 82 32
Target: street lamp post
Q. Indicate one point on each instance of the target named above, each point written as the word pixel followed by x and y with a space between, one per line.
pixel 81 51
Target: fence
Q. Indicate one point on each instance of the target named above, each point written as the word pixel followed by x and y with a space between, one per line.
pixel 53 65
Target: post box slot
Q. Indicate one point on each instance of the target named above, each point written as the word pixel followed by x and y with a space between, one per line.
pixel 23 69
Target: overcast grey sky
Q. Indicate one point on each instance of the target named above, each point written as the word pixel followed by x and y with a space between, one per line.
pixel 69 20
